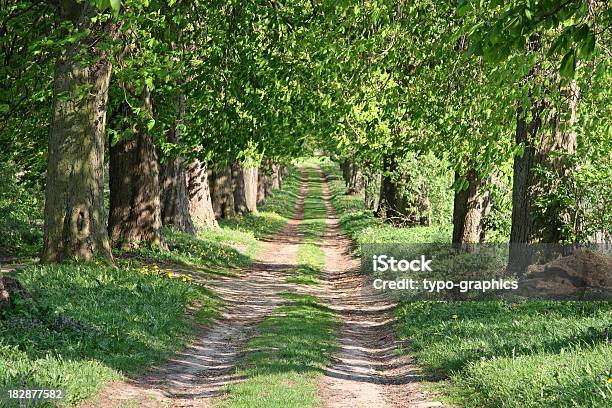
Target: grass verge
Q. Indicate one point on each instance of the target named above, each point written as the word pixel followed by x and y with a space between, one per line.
pixel 92 322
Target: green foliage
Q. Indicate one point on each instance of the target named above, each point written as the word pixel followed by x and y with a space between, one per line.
pixel 364 228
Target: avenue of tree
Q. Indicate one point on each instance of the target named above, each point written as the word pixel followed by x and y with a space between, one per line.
pixel 195 108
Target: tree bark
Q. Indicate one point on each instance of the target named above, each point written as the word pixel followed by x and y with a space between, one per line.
pixel 353 178
pixel 355 182
pixel 222 192
pixel 265 179
pixel 75 221
pixel 135 205
pixel 238 178
pixel 245 188
pixel 467 213
pixel 174 194
pixel 200 202
pixel 275 177
pixel 389 196
pixel 345 166
pixel 542 150
pixel 261 193
pixel 424 208
pixel 267 184
pixel 250 177
pixel 371 188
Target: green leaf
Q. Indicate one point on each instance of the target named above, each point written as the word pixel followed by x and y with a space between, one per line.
pixel 116 6
pixel 568 64
pixel 559 45
pixel 463 6
pixel 587 47
pixel 582 33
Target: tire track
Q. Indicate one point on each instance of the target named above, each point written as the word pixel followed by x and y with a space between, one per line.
pixel 367 371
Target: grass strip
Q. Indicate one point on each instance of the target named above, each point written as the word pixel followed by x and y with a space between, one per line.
pixel 285 357
pixel 291 347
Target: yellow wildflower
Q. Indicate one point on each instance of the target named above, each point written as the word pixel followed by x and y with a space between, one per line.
pixel 454 317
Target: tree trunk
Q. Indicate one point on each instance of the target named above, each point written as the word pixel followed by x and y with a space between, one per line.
pixel 200 202
pixel 542 152
pixel 250 187
pixel 467 213
pixel 388 201
pixel 345 166
pixel 245 188
pixel 222 192
pixel 174 195
pixel 424 208
pixel 75 222
pixel 240 205
pixel 355 181
pixel 265 178
pixel 371 188
pixel 275 177
pixel 353 178
pixel 261 193
pixel 267 185
pixel 135 206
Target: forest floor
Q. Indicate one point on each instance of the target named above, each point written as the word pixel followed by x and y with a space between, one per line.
pixel 362 369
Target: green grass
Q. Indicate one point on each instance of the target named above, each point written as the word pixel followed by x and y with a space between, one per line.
pixel 274 214
pixel 311 260
pixel 211 252
pixel 285 357
pixel 123 320
pixel 310 257
pixel 580 377
pixel 495 353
